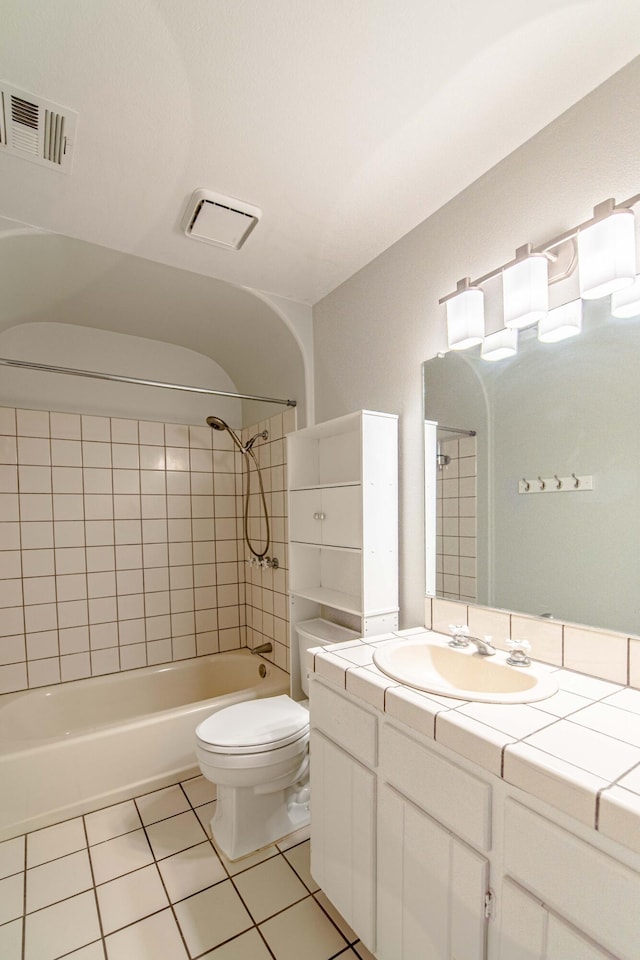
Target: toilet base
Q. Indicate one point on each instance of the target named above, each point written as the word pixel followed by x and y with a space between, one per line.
pixel 246 820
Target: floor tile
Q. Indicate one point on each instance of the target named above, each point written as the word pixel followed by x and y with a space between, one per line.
pixel 121 855
pixel 56 841
pixel 270 887
pixel 294 838
pixel 11 940
pixel 112 822
pixel 248 946
pixel 191 870
pixel 59 929
pixel 199 791
pixel 95 951
pixel 302 931
pixel 234 867
pixel 176 833
pixel 337 918
pixel 204 815
pixel 58 880
pixel 298 857
pixel 162 804
pixel 11 897
pixel 130 898
pixel 11 856
pixel 156 938
pixel 212 917
pixel 362 952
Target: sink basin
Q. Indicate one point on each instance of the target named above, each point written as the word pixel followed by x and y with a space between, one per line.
pixel 431 665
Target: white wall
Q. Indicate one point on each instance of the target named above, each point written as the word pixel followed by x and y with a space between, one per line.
pixel 374 331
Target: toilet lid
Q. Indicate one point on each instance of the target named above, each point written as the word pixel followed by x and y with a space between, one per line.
pixel 254 726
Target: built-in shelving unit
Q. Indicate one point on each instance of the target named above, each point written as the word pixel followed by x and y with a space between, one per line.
pixel 343 523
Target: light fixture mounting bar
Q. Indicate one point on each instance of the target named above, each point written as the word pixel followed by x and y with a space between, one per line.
pixel 569 236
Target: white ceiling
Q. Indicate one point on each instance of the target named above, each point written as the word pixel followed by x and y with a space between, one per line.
pixel 347 121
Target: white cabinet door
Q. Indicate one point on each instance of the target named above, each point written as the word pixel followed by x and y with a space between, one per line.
pixel 431 887
pixel 343 834
pixel 529 932
pixel 331 516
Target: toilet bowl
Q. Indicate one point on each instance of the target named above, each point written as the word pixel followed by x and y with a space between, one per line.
pixel 257 752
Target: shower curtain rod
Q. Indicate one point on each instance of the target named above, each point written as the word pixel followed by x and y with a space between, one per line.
pixel 93 374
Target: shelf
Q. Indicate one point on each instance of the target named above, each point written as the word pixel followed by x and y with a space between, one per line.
pixel 325 486
pixel 330 598
pixel 326 546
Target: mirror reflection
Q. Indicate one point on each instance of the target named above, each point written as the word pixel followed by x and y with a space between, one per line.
pixel 513 528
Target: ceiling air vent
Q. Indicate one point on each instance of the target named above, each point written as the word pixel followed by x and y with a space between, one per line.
pixel 223 221
pixel 36 129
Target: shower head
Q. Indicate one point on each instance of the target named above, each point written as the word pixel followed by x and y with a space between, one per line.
pixel 217 423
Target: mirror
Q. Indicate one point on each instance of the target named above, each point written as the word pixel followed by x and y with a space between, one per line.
pixel 555 412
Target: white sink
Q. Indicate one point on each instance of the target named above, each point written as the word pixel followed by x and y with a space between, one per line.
pixel 429 664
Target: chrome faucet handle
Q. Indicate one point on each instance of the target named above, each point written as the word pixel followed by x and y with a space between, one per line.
pixel 459 635
pixel 518 656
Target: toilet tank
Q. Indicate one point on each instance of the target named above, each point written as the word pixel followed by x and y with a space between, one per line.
pixel 318 633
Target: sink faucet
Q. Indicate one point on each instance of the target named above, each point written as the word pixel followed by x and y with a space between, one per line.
pixel 485 647
pixel 462 638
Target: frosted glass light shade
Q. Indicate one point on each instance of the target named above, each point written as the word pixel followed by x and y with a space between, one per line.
pixel 525 287
pixel 607 255
pixel 626 303
pixel 465 318
pixel 562 322
pixel 500 345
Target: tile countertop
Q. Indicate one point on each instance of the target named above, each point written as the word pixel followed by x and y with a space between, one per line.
pixel 578 750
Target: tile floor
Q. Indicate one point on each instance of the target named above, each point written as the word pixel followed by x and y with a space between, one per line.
pixel 142 880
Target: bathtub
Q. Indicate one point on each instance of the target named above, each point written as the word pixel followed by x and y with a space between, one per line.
pixel 76 747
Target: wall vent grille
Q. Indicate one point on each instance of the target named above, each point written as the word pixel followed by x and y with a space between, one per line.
pixel 36 129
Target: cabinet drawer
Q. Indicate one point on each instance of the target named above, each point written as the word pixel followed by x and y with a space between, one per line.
pixel 343 722
pixel 596 893
pixel 444 790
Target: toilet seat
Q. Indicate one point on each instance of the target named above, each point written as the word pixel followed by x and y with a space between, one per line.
pixel 254 727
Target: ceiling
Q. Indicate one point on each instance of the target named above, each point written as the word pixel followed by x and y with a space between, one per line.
pixel 347 122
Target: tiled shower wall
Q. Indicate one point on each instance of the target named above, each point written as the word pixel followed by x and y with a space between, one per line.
pixel 456 521
pixel 121 546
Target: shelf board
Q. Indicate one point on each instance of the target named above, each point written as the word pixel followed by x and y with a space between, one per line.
pixel 326 546
pixel 325 486
pixel 330 598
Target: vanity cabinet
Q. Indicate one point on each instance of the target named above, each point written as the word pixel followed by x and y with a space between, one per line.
pixel 529 931
pixel 431 887
pixel 428 857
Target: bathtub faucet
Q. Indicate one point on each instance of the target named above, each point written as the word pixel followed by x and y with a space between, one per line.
pixel 263 648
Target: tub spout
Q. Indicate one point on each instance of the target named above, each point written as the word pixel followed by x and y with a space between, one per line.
pixel 263 648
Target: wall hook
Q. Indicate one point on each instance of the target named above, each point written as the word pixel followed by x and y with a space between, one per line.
pixel 577 482
pixel 527 485
pixel 558 481
pixel 542 483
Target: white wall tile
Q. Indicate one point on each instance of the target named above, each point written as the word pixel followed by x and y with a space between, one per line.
pixel 596 652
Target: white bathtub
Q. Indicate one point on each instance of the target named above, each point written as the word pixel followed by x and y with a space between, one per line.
pixel 75 747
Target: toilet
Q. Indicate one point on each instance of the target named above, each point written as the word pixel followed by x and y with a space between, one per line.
pixel 257 752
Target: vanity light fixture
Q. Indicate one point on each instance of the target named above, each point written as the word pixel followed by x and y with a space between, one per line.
pixel 525 286
pixel 626 303
pixel 561 322
pixel 604 247
pixel 465 316
pixel 500 345
pixel 607 251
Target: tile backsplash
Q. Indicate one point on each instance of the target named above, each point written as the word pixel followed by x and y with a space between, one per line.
pixel 121 545
pixel 599 653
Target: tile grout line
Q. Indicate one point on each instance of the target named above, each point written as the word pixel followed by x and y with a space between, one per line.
pixel 95 889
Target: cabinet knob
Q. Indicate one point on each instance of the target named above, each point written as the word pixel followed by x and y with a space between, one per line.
pixel 316 516
pixel 323 516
